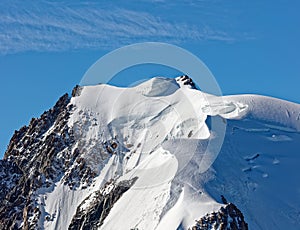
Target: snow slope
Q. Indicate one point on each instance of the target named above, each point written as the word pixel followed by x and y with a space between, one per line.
pixel 258 164
pixel 160 131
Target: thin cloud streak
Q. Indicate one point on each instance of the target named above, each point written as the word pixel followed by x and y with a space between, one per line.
pixel 45 26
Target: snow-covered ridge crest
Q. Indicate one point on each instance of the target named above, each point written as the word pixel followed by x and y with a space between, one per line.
pixel 276 112
pixel 146 116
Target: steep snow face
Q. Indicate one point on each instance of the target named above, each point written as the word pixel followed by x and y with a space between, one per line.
pixel 157 134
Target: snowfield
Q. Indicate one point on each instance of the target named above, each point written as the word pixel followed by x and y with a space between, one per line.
pixel 159 132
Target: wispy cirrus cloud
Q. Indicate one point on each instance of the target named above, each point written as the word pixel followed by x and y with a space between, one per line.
pixel 59 26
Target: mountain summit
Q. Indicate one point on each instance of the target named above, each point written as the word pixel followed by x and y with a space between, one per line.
pixel 139 158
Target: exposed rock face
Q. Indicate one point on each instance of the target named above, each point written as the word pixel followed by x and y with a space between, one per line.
pixel 227 218
pixel 76 91
pixel 95 208
pixel 35 163
pixel 10 174
pixel 43 153
pixel 186 80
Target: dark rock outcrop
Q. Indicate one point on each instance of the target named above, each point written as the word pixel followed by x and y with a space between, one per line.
pixel 187 81
pixel 10 174
pixel 99 205
pixel 227 218
pixel 76 91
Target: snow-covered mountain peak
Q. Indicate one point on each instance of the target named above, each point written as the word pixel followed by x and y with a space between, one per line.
pixel 161 86
pixel 156 127
pixel 131 158
pixel 148 115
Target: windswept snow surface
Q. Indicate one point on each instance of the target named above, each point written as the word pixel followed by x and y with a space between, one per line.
pixel 162 130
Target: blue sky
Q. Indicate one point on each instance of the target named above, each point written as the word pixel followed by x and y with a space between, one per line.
pixel 46 46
